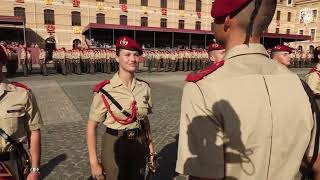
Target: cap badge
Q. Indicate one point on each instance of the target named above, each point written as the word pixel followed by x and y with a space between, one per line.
pixel 124 42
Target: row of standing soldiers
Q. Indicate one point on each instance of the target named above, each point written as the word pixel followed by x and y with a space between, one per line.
pixel 300 59
pixel 175 60
pixel 84 61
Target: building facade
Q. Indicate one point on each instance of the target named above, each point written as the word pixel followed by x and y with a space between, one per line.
pixel 63 21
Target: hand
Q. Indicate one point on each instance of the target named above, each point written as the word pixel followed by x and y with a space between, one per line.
pixel 152 164
pixel 33 176
pixel 96 171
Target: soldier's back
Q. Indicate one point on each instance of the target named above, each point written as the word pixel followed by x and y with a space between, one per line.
pixel 251 100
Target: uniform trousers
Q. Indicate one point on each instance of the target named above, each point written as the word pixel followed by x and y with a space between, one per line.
pixel 123 158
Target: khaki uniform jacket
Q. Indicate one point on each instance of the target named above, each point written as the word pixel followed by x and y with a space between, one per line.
pixel 249 120
pixel 140 91
pixel 19 113
pixel 313 81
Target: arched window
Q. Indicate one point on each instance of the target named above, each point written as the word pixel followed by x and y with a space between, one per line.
pixel 20 12
pixel 76 43
pixel 123 20
pixel 163 22
pixel 300 48
pixel 311 49
pixel 48 16
pixel 144 21
pixel 101 18
pixel 76 18
pixel 198 25
pixel 181 24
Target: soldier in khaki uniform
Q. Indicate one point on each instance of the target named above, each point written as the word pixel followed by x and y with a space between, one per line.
pixel 42 63
pixel 21 120
pixel 23 61
pixel 127 140
pixel 281 54
pixel 216 52
pixel 235 116
pixel 313 77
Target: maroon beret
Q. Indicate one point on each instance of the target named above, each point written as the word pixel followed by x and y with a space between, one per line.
pixel 283 48
pixel 125 42
pixel 215 46
pixel 3 55
pixel 221 8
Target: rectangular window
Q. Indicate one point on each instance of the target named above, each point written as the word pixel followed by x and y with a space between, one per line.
pixel 181 24
pixel 300 32
pixel 163 23
pixel 123 20
pixel 20 12
pixel 198 5
pixel 144 21
pixel 314 15
pixel 277 30
pixel 278 15
pixel 48 16
pixel 312 34
pixel 288 31
pixel 289 2
pixel 101 18
pixel 163 3
pixel 289 16
pixel 181 4
pixel 144 2
pixel 76 18
pixel 100 0
pixel 198 25
pixel 122 1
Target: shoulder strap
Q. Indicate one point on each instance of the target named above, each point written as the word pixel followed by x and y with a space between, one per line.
pixel 124 112
pixel 315 109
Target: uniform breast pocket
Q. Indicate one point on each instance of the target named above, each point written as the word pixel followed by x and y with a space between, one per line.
pixel 14 123
pixel 142 109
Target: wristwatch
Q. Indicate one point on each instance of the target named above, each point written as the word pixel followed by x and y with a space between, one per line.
pixel 37 170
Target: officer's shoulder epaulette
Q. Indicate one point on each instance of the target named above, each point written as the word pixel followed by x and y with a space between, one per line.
pixel 100 85
pixel 17 84
pixel 143 81
pixel 200 74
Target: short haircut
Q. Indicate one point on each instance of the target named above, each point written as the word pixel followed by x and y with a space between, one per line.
pixel 261 21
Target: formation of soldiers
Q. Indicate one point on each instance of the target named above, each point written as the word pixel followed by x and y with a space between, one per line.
pixel 80 61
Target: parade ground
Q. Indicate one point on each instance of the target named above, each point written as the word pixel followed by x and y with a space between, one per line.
pixel 65 101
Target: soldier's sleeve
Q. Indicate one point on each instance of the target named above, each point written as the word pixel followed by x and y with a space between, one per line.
pixel 33 113
pixel 98 110
pixel 200 148
pixel 313 80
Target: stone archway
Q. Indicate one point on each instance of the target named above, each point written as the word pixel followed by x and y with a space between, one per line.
pixel 76 43
pixel 50 45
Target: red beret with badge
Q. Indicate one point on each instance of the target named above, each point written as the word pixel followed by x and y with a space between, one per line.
pixel 127 43
pixel 3 55
pixel 215 46
pixel 282 48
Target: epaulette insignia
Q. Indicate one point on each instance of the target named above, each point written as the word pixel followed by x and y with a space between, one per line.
pixel 143 81
pixel 100 85
pixel 20 85
pixel 200 74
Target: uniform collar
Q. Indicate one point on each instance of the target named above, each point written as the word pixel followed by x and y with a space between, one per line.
pixel 116 81
pixel 5 85
pixel 244 49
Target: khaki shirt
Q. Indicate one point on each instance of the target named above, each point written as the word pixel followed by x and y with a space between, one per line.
pixel 19 113
pixel 249 120
pixel 313 81
pixel 140 91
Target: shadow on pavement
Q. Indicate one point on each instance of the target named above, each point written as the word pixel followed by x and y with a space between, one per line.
pixel 48 167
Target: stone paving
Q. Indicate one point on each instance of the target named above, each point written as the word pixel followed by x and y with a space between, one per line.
pixel 65 101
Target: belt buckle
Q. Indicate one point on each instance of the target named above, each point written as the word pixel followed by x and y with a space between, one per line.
pixel 131 134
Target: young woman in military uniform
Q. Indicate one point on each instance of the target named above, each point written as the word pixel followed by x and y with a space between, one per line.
pixel 122 105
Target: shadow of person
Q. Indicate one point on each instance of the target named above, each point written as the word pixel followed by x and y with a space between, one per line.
pixel 48 167
pixel 216 143
pixel 167 159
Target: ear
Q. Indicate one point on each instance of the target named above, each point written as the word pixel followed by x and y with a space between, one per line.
pixel 117 59
pixel 226 23
pixel 212 58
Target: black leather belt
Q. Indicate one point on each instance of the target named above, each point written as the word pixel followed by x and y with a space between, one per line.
pixel 129 134
pixel 6 156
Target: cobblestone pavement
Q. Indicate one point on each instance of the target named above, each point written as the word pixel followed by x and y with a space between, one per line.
pixel 65 101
